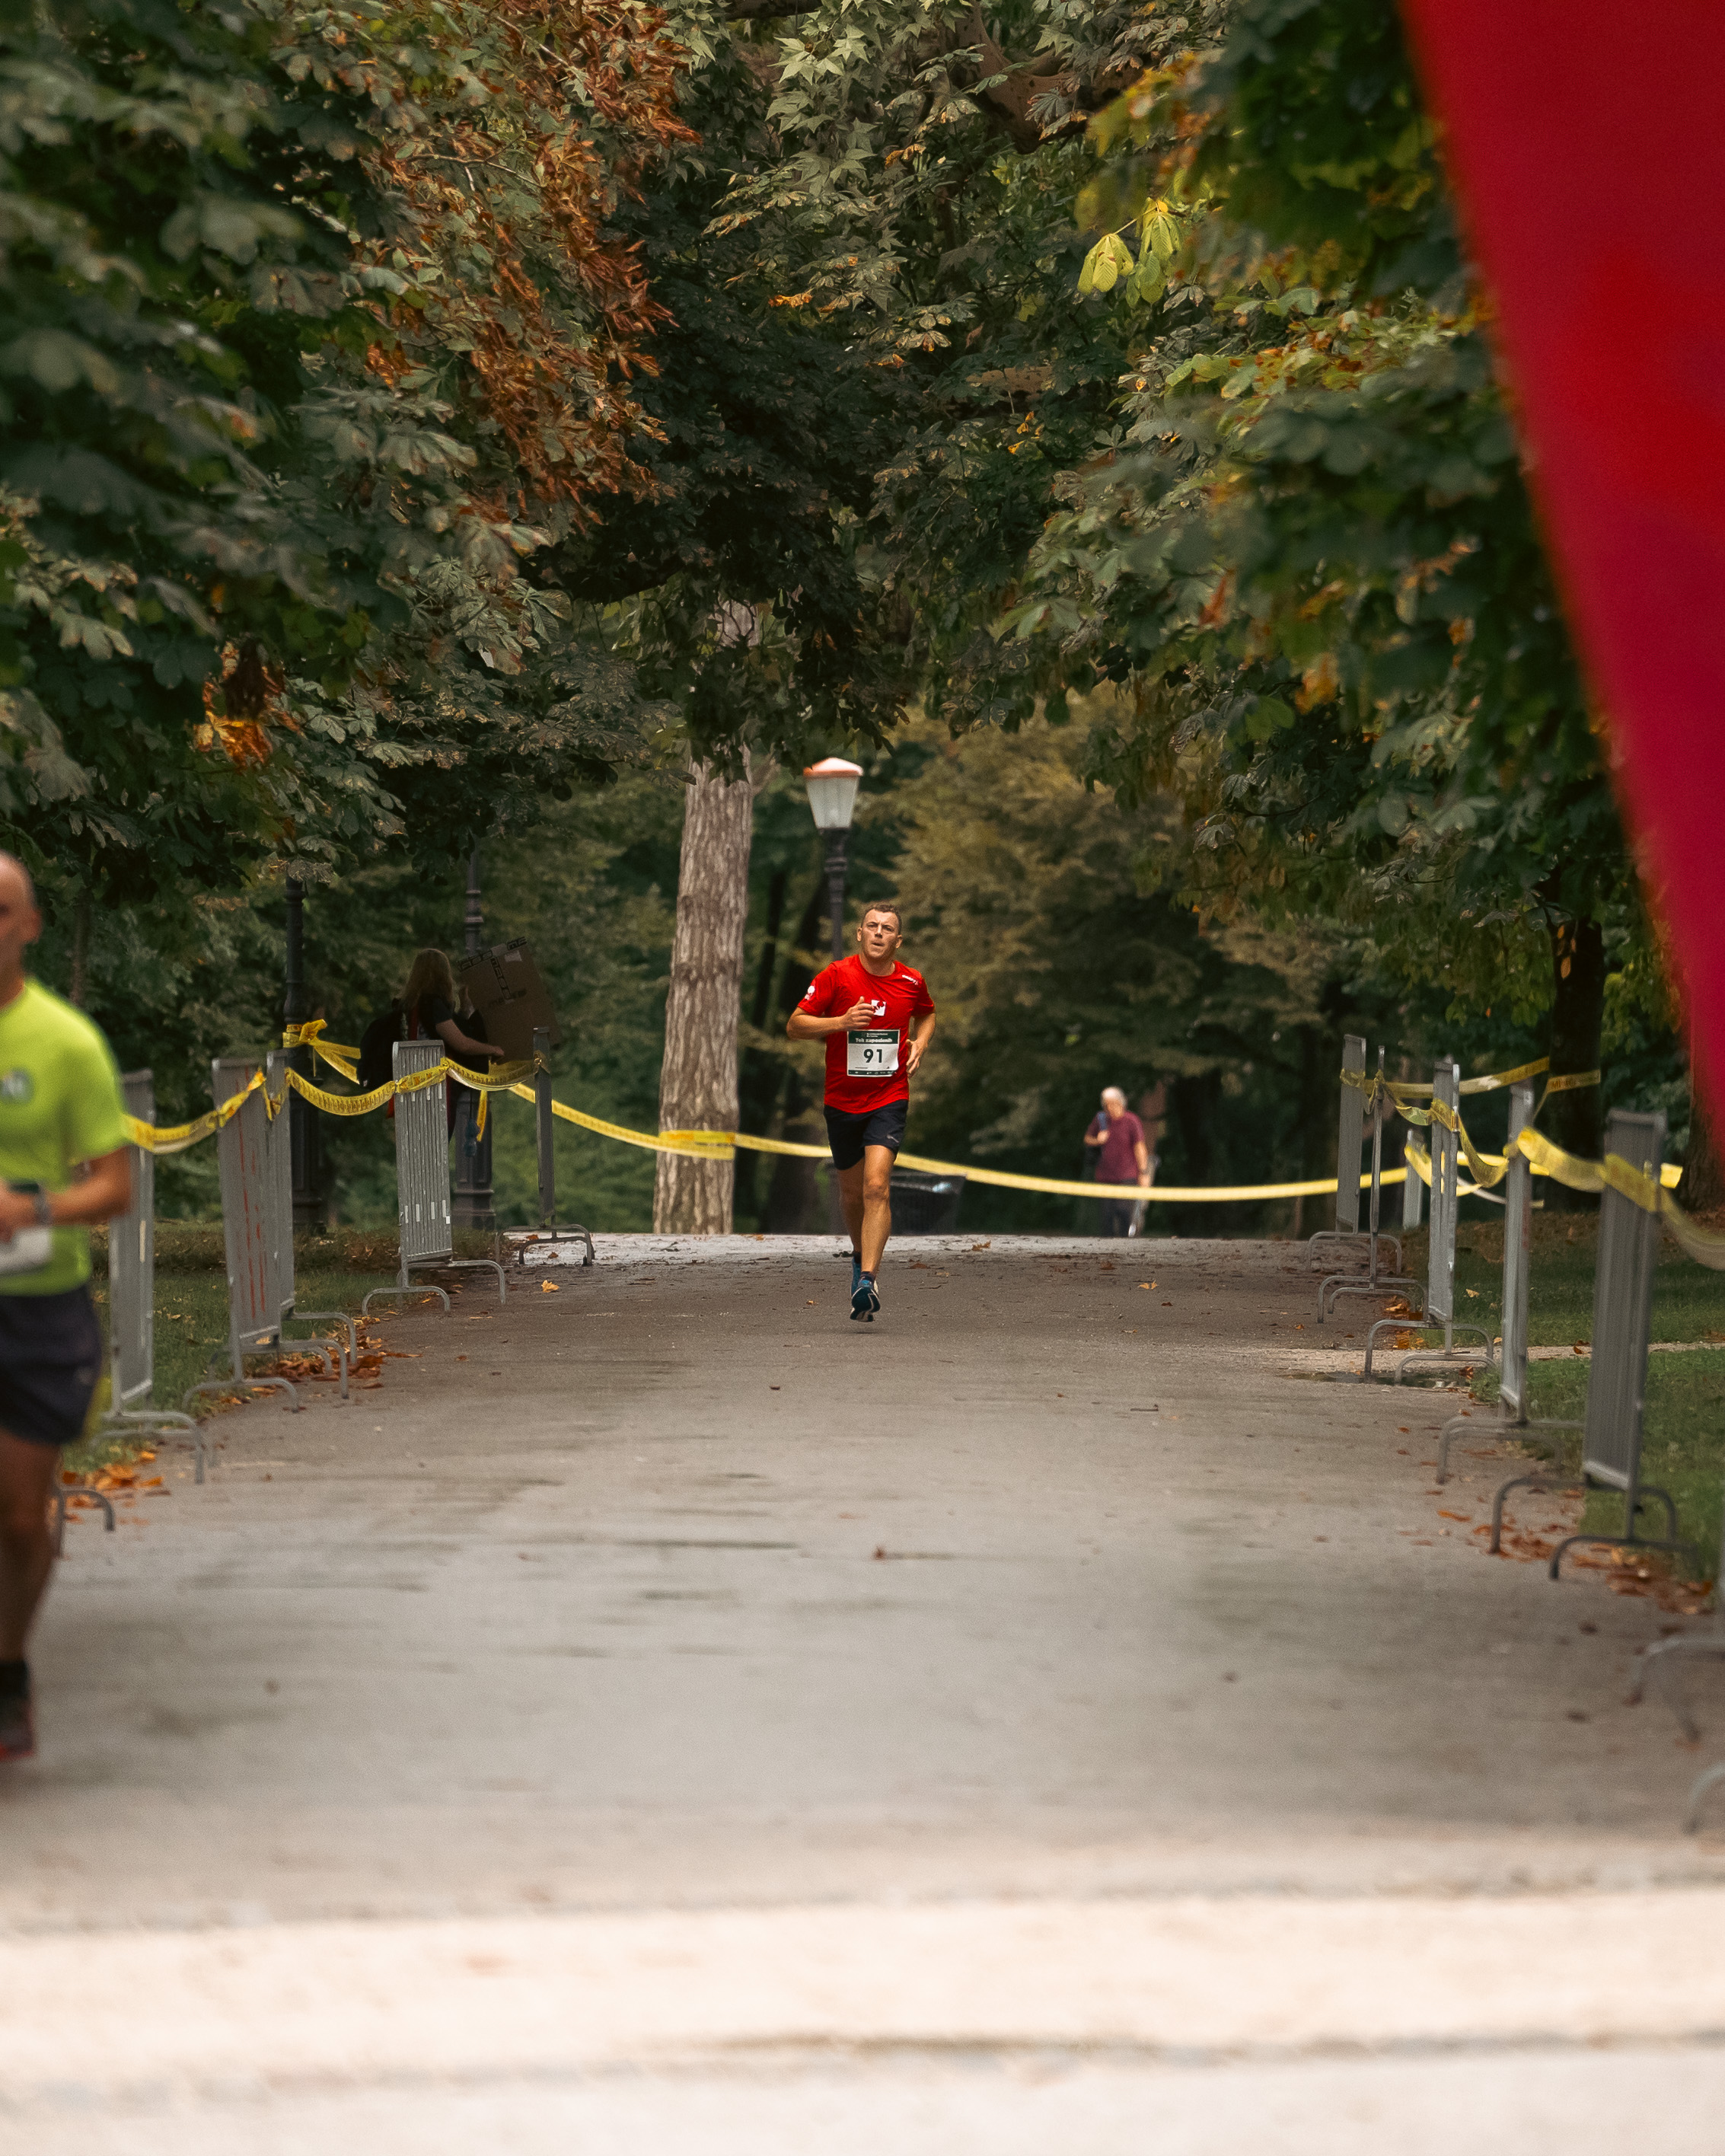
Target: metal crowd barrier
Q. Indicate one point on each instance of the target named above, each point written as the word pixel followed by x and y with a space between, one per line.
pixel 279 1203
pixel 1512 1384
pixel 545 1129
pixel 1412 1194
pixel 131 1287
pixel 1331 1292
pixel 1617 1379
pixel 1350 1132
pixel 253 1307
pixel 131 1314
pixel 1441 1247
pixel 422 1177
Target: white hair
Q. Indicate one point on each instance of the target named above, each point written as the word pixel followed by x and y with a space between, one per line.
pixel 1114 1093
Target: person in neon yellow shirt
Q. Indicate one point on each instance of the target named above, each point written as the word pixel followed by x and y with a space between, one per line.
pixel 63 1165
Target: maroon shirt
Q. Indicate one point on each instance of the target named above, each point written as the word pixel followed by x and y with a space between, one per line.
pixel 1118 1160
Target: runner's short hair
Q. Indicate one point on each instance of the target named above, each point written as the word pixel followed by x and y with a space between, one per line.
pixel 885 906
pixel 12 861
pixel 1113 1093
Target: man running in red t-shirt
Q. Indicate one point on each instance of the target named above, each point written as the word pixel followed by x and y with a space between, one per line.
pixel 877 1019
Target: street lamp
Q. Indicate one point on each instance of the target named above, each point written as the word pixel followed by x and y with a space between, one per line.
pixel 304 1133
pixel 831 786
pixel 473 1199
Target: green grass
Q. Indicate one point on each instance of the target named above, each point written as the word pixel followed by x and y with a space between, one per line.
pixel 1683 1440
pixel 1688 1300
pixel 1683 1430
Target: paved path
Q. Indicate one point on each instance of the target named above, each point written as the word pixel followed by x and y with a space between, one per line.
pixel 664 1715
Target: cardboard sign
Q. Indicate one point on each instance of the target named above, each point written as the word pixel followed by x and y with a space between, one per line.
pixel 503 985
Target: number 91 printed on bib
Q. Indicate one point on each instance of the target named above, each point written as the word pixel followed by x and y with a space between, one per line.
pixel 873 1053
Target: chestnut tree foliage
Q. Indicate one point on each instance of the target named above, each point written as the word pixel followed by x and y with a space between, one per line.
pixel 320 335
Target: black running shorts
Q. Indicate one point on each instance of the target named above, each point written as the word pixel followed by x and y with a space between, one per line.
pixel 849 1135
pixel 50 1361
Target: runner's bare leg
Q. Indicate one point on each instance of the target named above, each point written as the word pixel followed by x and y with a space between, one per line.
pixel 865 1193
pixel 27 1478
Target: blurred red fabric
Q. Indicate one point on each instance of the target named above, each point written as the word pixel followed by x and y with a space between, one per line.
pixel 1587 147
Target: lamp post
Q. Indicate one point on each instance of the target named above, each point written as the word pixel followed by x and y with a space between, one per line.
pixel 305 1135
pixel 473 1206
pixel 831 786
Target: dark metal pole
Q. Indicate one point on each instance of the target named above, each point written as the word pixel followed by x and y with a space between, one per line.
pixel 305 1133
pixel 473 1206
pixel 544 1129
pixel 836 866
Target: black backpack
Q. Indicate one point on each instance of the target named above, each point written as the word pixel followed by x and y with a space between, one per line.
pixel 376 1064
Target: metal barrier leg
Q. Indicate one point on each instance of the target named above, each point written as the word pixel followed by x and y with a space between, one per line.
pixel 62 1492
pixel 1692 1818
pixel 474 1265
pixel 1630 1539
pixel 1542 1482
pixel 1508 1426
pixel 347 1354
pixel 1456 1427
pixel 1655 1660
pixel 1385 1284
pixel 416 1288
pixel 1447 1359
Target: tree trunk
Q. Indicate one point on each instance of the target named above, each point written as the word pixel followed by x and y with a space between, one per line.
pixel 1703 1189
pixel 1574 1120
pixel 793 1205
pixel 697 1084
pixel 757 1087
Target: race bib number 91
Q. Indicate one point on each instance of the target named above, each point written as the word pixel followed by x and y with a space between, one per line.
pixel 873 1053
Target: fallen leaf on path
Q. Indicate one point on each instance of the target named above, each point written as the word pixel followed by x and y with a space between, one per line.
pixel 989 1245
pixel 549 1287
pixel 1442 1515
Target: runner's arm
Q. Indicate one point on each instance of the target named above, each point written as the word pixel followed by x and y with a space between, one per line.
pixel 1142 1153
pixel 801 1026
pixel 104 1190
pixel 452 1036
pixel 920 1034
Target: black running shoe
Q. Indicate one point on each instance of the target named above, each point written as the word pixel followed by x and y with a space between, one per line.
pixel 865 1298
pixel 17 1721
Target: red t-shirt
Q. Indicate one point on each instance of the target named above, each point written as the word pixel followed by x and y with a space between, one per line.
pixel 866 1070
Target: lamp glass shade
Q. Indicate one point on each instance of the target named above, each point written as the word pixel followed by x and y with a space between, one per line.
pixel 831 787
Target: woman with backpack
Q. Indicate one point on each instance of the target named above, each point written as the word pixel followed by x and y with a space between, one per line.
pixel 424 1011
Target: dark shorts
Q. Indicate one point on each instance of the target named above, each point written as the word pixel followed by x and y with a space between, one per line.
pixel 848 1135
pixel 50 1362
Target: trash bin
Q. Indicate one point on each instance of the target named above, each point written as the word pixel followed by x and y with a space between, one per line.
pixel 924 1203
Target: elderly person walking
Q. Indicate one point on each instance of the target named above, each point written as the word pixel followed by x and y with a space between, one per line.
pixel 1124 1159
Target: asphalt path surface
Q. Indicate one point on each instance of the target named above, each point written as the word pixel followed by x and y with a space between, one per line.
pixel 664 1715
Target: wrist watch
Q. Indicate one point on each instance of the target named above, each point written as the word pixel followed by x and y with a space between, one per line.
pixel 45 1212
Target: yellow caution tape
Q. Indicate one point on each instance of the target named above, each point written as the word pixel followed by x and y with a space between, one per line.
pixel 1706 1245
pixel 1400 1091
pixel 175 1138
pixel 719 1145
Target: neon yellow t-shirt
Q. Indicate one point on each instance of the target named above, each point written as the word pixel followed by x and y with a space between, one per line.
pixel 60 1104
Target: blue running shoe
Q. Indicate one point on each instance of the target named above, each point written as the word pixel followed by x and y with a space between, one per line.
pixel 855 1273
pixel 865 1299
